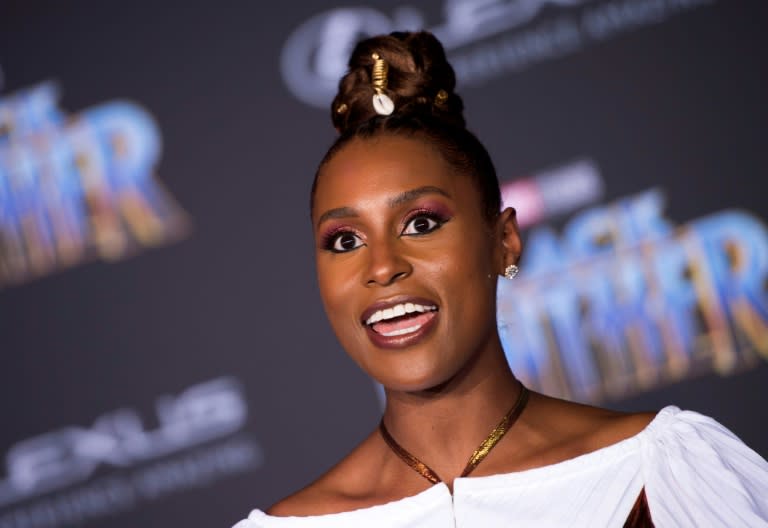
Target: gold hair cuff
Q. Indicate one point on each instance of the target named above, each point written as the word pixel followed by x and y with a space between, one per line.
pixel 381 101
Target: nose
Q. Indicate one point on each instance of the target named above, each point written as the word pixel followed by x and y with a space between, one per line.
pixel 386 264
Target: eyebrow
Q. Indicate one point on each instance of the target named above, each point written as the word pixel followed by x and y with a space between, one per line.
pixel 407 196
pixel 339 212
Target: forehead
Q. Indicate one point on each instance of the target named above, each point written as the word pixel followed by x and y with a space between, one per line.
pixel 371 169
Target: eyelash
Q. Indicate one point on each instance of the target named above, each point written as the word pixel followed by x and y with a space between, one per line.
pixel 436 217
pixel 330 239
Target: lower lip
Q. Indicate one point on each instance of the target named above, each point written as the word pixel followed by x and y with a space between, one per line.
pixel 402 341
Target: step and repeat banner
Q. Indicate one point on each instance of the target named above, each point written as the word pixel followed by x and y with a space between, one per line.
pixel 164 356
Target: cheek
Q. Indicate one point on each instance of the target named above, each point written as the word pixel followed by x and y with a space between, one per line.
pixel 335 283
pixel 328 281
pixel 466 280
pixel 466 258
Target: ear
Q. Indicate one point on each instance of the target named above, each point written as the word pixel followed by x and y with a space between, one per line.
pixel 508 234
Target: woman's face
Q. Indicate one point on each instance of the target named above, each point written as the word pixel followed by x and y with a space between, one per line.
pixel 406 262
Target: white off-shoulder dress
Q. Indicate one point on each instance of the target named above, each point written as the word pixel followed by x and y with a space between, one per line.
pixel 695 473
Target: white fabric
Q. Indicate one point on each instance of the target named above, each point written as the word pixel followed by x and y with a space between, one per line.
pixel 694 470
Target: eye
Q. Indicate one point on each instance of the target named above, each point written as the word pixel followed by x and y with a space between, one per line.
pixel 343 242
pixel 422 224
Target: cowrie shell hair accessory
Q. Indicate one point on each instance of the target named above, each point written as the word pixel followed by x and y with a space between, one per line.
pixel 383 104
pixel 511 271
pixel 381 101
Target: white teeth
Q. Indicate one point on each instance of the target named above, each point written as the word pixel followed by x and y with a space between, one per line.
pixel 398 311
pixel 401 331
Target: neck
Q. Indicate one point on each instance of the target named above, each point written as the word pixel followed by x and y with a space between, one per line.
pixel 444 425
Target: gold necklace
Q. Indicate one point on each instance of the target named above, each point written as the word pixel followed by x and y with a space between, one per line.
pixel 480 453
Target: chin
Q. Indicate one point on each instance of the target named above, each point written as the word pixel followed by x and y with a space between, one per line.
pixel 421 381
pixel 417 369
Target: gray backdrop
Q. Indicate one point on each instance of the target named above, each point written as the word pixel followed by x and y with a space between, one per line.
pixel 164 355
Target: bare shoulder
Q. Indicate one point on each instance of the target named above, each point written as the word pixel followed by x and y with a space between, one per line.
pixel 346 486
pixel 312 500
pixel 562 429
pixel 580 419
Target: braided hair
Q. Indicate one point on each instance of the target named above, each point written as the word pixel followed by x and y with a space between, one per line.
pixel 420 82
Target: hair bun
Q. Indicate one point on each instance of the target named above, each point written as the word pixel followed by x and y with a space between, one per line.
pixel 419 80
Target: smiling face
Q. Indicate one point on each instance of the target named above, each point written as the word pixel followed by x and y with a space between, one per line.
pixel 407 262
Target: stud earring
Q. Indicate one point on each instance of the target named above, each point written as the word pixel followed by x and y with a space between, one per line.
pixel 511 271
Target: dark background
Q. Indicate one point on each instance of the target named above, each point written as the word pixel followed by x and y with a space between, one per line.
pixel 678 104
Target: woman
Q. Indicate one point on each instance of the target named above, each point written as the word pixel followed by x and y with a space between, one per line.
pixel 410 243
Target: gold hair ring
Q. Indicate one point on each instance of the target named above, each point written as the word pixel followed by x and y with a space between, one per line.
pixel 341 108
pixel 441 97
pixel 381 101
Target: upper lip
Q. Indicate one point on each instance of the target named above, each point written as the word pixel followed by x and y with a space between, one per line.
pixel 394 301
